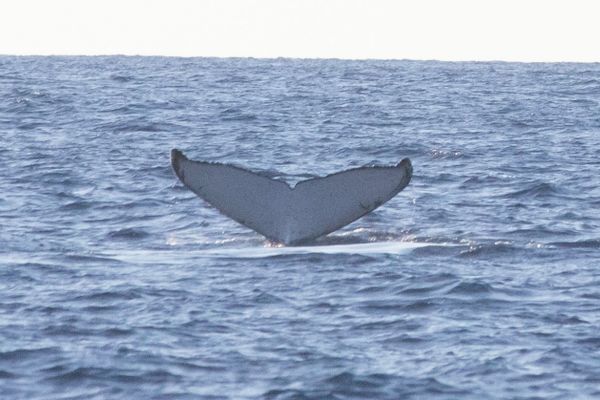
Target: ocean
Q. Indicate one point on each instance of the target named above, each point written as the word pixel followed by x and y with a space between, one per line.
pixel 479 280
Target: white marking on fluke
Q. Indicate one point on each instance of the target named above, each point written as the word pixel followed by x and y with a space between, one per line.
pixel 312 208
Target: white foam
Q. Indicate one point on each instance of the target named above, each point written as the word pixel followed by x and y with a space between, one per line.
pixel 356 248
pixel 167 256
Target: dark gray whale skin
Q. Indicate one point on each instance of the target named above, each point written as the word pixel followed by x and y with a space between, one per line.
pixel 292 215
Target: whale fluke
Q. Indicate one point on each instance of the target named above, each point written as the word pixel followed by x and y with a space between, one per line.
pixel 312 208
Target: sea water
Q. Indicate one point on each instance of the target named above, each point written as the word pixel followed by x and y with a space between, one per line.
pixel 479 280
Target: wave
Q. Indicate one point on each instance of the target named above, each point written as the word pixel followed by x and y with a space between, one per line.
pixel 121 78
pixel 81 374
pixel 77 205
pixel 128 234
pixel 578 244
pixel 108 296
pixel 472 288
pixel 537 190
pixel 238 117
pixel 491 249
pixel 27 354
pixel 136 125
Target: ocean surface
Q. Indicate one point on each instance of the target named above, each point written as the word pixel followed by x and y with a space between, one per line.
pixel 481 280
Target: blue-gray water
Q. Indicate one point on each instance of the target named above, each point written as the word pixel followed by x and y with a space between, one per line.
pixel 117 282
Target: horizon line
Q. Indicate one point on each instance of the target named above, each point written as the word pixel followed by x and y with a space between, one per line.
pixel 405 59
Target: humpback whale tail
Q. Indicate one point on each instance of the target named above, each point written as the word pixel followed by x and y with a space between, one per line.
pixel 291 215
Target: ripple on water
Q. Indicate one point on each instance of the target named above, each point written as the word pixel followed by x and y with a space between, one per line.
pixel 117 282
pixel 128 234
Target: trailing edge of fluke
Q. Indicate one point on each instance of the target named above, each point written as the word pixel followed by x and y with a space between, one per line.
pixel 312 208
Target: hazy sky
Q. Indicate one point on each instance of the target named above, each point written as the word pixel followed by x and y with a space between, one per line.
pixel 523 30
